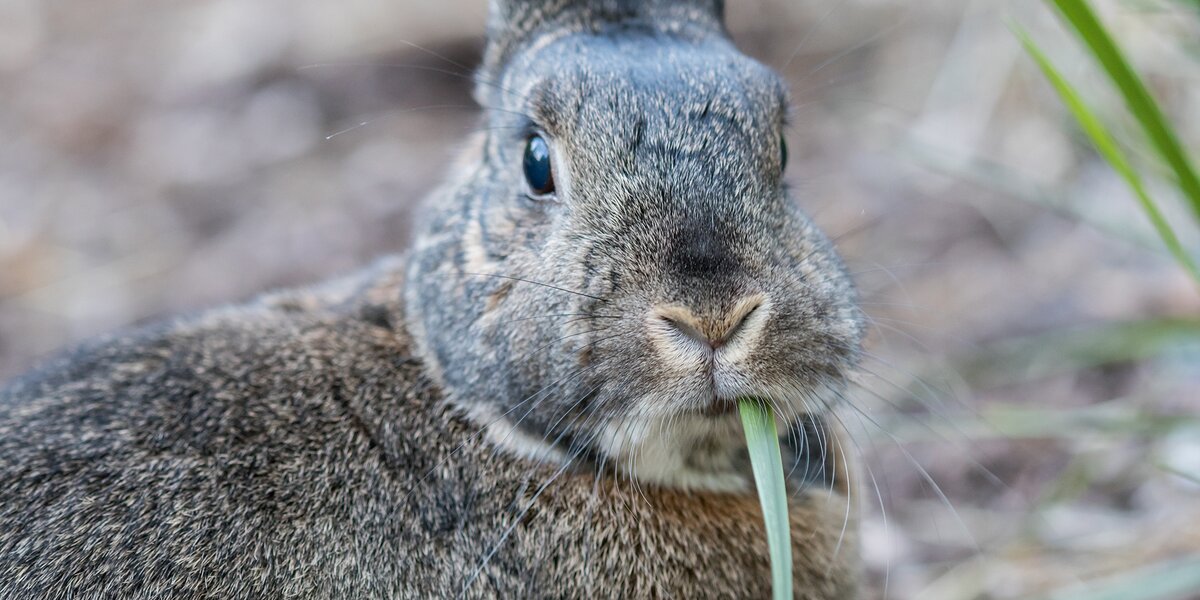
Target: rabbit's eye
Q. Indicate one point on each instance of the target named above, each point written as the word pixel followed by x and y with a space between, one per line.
pixel 538 173
pixel 782 153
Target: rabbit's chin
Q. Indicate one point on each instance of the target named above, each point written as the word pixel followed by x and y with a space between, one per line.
pixel 685 451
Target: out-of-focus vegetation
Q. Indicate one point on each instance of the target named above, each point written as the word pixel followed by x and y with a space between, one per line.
pixel 1142 105
pixel 1170 578
pixel 1028 408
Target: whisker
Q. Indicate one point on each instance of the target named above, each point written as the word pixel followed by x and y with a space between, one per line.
pixel 887 572
pixel 874 482
pixel 806 478
pixel 986 472
pixel 393 112
pixel 837 442
pixel 937 489
pixel 468 69
pixel 484 428
pixel 516 521
pixel 882 33
pixel 809 32
pixel 496 450
pixel 530 354
pixel 359 122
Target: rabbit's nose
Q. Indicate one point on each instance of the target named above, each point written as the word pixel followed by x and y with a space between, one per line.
pixel 713 331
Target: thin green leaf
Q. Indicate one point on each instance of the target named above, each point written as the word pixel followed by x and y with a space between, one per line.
pixel 762 439
pixel 1107 146
pixel 1137 97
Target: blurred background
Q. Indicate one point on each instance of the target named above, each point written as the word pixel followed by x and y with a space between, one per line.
pixel 1028 409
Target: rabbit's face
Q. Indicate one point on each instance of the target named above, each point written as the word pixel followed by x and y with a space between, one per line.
pixel 633 261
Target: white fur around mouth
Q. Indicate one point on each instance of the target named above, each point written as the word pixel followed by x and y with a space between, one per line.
pixel 662 442
pixel 663 451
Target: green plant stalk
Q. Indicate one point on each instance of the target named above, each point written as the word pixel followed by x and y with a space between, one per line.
pixel 762 439
pixel 1137 97
pixel 1108 148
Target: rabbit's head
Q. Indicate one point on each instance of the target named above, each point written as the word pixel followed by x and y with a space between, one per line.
pixel 620 260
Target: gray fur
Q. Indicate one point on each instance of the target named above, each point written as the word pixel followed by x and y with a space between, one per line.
pixel 334 443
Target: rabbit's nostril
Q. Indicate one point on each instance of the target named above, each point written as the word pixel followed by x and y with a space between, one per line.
pixel 710 332
pixel 741 316
pixel 689 328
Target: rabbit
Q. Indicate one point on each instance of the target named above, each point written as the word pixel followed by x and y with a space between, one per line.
pixel 536 400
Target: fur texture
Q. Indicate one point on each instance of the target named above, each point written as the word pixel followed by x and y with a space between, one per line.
pixel 535 402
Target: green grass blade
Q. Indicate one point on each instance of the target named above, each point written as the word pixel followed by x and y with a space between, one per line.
pixel 1137 97
pixel 762 439
pixel 1107 146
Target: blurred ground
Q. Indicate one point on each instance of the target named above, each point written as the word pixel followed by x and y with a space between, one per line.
pixel 162 157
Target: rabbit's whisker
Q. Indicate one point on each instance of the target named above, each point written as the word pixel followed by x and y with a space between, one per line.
pixel 484 428
pixel 799 438
pixel 531 353
pixel 516 521
pixel 921 471
pixel 892 27
pixel 809 31
pixel 841 452
pixel 879 494
pixel 515 426
pixel 466 68
pixel 932 403
pixel 926 425
pixel 502 442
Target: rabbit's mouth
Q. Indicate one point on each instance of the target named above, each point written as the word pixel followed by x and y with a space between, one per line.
pixel 707 453
pixel 718 408
pixel 683 430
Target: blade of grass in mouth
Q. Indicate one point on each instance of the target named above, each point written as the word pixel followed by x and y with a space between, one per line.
pixel 763 442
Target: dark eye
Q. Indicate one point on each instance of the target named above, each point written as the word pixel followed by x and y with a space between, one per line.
pixel 782 154
pixel 538 173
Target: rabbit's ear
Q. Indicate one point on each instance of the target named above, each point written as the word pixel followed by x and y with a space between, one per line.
pixel 513 23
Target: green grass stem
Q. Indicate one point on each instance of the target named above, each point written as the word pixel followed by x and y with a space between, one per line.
pixel 762 439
